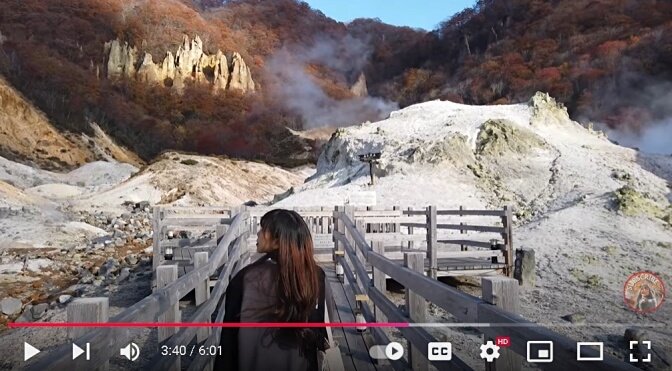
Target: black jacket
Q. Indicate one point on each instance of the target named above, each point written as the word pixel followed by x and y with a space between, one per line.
pixel 250 297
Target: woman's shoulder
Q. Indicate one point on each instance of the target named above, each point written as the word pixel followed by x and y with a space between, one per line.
pixel 258 269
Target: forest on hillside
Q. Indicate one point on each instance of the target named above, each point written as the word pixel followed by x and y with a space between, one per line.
pixel 51 52
pixel 607 60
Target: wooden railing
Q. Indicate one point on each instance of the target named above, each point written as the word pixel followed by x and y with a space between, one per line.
pixel 161 306
pixel 359 236
pixel 497 308
pixel 387 225
pixel 167 220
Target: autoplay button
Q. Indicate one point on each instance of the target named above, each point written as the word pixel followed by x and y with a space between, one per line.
pixel 394 351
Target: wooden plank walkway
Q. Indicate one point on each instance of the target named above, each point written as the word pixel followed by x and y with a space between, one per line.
pixel 354 346
pixel 347 233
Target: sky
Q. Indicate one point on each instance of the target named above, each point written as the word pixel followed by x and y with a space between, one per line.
pixel 425 14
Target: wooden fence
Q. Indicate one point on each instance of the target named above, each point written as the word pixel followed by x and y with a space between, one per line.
pixel 387 225
pixel 168 220
pixel 406 228
pixel 161 306
pixel 360 237
pixel 498 307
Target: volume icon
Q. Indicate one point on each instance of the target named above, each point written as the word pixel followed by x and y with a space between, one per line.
pixel 130 351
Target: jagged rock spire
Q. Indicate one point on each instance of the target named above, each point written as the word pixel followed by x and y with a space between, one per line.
pixel 189 63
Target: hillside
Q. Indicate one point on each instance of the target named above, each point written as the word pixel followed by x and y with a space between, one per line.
pixel 76 73
pixel 310 71
pixel 46 203
pixel 27 135
pixel 181 179
pixel 88 231
pixel 594 212
pixel 608 61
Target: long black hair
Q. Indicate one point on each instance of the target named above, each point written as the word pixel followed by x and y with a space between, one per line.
pixel 297 284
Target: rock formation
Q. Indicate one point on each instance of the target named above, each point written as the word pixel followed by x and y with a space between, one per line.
pixel 189 63
pixel 121 59
pixel 240 74
pixel 359 89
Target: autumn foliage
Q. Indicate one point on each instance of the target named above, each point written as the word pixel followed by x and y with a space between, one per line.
pixel 606 60
pixel 53 52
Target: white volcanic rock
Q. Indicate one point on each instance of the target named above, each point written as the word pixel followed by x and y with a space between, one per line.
pixel 593 211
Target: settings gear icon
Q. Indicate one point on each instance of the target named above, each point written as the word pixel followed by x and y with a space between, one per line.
pixel 489 351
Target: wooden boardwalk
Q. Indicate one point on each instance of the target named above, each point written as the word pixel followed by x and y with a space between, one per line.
pixel 354 345
pixel 364 247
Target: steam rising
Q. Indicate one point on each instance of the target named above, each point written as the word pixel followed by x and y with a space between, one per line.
pixel 655 138
pixel 300 92
pixel 652 134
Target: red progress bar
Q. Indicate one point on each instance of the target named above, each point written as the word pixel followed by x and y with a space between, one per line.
pixel 239 324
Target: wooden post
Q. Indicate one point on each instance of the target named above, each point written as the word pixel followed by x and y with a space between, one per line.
pixel 324 222
pixel 507 223
pixel 379 281
pixel 502 292
pixel 338 226
pixel 202 293
pixel 157 257
pixel 220 231
pixel 380 284
pixel 310 222
pixel 396 227
pixel 416 307
pixel 361 227
pixel 165 275
pixel 410 232
pixel 349 212
pixel 87 310
pixel 359 314
pixel 373 178
pixel 431 242
pixel 462 247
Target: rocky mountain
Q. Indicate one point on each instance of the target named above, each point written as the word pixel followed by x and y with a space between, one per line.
pixel 611 69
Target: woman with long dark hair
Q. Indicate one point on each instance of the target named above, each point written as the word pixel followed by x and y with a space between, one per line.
pixel 646 300
pixel 285 285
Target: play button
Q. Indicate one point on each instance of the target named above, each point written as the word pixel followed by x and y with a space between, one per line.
pixel 394 351
pixel 29 351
